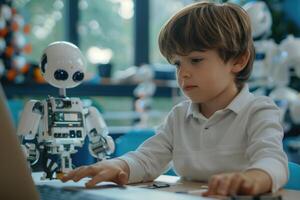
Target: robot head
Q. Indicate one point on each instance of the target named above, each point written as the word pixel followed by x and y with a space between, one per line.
pixel 291 47
pixel 260 17
pixel 62 65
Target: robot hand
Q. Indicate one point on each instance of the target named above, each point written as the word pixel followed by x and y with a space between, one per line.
pixel 102 147
pixel 31 152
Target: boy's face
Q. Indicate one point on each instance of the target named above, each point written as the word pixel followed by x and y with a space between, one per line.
pixel 203 76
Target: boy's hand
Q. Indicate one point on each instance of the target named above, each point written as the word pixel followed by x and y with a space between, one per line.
pixel 251 182
pixel 114 170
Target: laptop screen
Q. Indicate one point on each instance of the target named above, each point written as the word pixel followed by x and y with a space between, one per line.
pixel 15 176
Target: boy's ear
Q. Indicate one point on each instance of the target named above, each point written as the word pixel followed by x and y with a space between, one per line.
pixel 240 63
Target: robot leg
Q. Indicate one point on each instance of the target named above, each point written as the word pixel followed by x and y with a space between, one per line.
pixel 50 166
pixel 31 152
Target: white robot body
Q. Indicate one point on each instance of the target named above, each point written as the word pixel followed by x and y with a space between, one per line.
pixel 28 126
pixel 63 122
pixel 144 92
pixel 265 50
pixel 59 126
pixel 269 68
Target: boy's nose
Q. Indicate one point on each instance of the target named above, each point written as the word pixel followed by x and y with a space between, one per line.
pixel 184 73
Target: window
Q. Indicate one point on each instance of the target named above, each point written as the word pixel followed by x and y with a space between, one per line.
pixel 157 20
pixel 106 32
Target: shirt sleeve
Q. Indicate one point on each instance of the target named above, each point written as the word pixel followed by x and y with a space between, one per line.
pixel 264 150
pixel 152 157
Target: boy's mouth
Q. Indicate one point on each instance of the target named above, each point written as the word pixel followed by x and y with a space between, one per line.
pixel 189 87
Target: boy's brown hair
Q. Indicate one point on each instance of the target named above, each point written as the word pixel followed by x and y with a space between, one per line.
pixel 209 26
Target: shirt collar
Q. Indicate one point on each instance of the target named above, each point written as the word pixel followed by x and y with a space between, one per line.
pixel 193 110
pixel 236 105
pixel 239 102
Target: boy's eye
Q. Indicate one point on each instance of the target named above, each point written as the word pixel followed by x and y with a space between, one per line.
pixel 196 60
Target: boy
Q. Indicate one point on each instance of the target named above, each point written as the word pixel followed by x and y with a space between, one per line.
pixel 223 133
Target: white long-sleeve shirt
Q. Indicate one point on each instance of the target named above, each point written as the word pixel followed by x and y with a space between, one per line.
pixel 247 134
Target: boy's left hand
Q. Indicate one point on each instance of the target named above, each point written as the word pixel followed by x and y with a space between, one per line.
pixel 251 182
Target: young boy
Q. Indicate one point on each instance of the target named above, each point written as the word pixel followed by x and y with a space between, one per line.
pixel 223 134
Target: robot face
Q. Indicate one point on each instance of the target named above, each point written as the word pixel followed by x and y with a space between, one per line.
pixel 260 16
pixel 62 65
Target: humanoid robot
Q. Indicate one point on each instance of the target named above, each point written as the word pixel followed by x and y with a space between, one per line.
pixel 142 76
pixel 290 50
pixel 265 63
pixel 144 92
pixel 58 126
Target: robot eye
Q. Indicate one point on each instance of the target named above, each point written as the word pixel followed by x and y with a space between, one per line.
pixel 61 75
pixel 78 76
pixel 44 63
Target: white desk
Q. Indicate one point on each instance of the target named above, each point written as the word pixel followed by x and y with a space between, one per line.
pixel 111 190
pixel 194 189
pixel 197 187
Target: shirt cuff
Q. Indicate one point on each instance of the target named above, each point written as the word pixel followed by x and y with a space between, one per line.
pixel 136 173
pixel 277 171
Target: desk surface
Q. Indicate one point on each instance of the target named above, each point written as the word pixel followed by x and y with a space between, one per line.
pixel 195 188
pixel 177 185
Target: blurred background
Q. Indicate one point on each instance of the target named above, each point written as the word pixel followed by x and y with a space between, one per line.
pixel 128 80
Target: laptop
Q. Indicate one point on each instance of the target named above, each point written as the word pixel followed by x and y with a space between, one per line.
pixel 16 179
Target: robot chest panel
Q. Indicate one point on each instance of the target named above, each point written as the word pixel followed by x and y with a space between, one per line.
pixel 64 120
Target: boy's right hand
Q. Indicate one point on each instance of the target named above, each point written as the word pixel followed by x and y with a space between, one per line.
pixel 114 170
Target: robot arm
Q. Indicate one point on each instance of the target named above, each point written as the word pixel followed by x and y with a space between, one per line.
pixel 28 127
pixel 30 119
pixel 101 144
